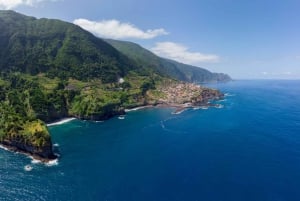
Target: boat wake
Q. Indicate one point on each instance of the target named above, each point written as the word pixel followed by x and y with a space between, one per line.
pixel 165 127
pixel 179 111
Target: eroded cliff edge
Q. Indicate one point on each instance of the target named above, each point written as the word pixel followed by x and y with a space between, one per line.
pixel 52 69
pixel 24 131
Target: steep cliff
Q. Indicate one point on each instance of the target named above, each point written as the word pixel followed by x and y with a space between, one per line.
pixel 52 69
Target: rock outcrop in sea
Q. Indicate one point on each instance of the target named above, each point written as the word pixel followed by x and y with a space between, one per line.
pixel 32 139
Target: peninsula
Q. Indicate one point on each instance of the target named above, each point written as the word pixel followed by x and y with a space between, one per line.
pixel 52 69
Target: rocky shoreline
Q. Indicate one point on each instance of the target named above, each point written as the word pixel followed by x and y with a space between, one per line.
pixel 37 157
pixel 180 96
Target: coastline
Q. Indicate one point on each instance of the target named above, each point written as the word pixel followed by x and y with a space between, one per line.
pixel 49 162
pixel 139 108
pixel 179 108
pixel 62 121
pixel 34 157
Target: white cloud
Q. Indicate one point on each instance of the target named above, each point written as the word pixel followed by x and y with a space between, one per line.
pixel 182 54
pixel 117 30
pixel 9 4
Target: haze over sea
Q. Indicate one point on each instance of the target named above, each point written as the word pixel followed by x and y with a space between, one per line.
pixel 247 150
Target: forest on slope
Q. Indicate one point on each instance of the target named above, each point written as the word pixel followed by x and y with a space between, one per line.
pixel 52 69
pixel 167 67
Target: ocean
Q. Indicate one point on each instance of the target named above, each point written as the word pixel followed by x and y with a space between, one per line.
pixel 247 150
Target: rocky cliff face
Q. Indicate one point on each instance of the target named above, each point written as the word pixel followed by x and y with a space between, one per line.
pixel 207 94
pixel 31 137
pixel 52 69
pixel 102 116
pixel 43 153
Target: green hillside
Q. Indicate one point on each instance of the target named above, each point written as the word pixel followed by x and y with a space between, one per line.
pixel 57 48
pixel 167 67
pixel 52 69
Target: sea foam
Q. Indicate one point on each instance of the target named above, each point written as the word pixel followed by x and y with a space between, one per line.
pixel 2 147
pixel 219 106
pixel 35 161
pixel 52 163
pixel 136 108
pixel 56 145
pixel 49 163
pixel 179 111
pixel 228 94
pixel 63 121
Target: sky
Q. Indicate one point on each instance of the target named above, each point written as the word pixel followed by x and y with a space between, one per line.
pixel 257 39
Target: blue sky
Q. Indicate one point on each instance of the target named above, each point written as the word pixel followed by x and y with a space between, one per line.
pixel 246 39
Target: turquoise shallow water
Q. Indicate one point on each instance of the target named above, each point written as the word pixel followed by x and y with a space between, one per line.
pixel 247 150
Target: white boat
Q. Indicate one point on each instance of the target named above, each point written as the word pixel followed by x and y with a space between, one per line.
pixel 28 168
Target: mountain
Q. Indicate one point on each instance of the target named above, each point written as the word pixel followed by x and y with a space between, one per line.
pixel 33 46
pixel 63 49
pixel 50 69
pixel 167 67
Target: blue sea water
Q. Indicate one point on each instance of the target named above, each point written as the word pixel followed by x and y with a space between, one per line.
pixel 247 150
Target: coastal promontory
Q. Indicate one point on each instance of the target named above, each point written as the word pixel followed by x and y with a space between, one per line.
pixel 52 69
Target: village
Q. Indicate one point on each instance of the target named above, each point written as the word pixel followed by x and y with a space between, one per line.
pixel 185 93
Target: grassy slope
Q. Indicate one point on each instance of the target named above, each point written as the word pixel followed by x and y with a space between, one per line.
pixel 51 69
pixel 166 67
pixel 55 47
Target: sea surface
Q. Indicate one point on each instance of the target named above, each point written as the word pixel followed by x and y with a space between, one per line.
pixel 248 150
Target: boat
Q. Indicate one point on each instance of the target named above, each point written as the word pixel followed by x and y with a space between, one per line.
pixel 28 168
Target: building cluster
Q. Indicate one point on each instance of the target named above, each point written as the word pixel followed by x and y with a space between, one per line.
pixel 180 93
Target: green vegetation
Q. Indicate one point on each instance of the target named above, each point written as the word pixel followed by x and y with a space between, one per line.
pixel 15 129
pixel 57 48
pixel 27 101
pixel 52 69
pixel 166 67
pixel 39 97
